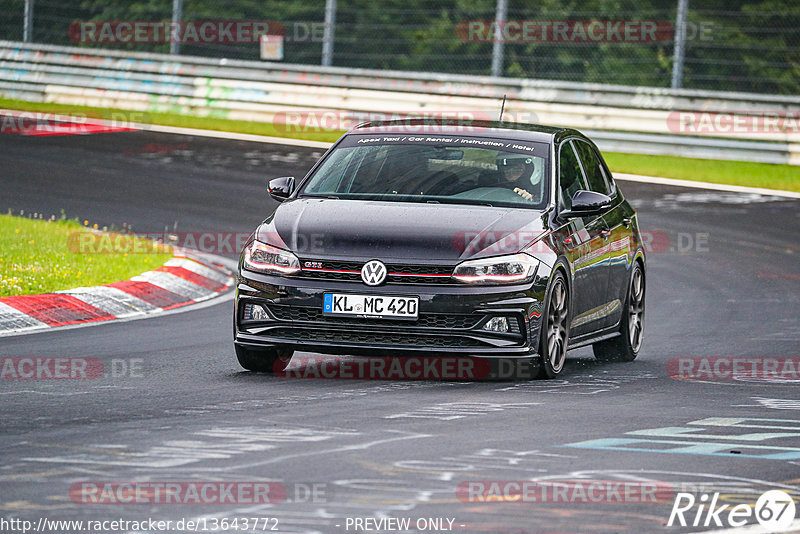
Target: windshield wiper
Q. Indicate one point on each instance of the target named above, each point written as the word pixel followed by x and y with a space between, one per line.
pixel 462 201
pixel 313 195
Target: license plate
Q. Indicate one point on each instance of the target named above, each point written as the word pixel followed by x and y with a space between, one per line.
pixel 370 306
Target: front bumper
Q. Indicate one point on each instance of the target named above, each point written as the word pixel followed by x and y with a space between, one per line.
pixel 450 320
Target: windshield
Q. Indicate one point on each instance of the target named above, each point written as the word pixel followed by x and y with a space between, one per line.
pixel 444 169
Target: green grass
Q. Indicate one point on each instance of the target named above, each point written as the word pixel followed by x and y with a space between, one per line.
pixel 41 256
pixel 786 177
pixel 173 119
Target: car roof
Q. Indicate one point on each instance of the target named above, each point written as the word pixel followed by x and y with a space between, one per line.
pixel 438 126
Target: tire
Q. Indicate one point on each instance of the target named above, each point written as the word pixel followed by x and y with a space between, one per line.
pixel 268 360
pixel 625 347
pixel 554 335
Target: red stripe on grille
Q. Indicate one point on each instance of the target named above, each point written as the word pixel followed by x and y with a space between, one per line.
pixel 359 272
pixel 417 274
pixel 330 271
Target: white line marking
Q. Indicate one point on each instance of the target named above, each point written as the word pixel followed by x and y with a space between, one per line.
pixel 233 136
pixel 704 185
pixel 449 411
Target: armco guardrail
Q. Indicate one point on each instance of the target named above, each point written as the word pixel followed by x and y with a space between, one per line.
pixel 626 119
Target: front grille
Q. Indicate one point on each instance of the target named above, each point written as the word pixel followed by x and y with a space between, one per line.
pixel 373 338
pixel 398 273
pixel 425 320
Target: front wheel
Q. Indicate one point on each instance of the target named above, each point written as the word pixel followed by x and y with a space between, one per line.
pixel 625 347
pixel 268 360
pixel 554 334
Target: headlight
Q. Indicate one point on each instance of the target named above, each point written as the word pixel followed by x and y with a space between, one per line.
pixel 498 270
pixel 264 258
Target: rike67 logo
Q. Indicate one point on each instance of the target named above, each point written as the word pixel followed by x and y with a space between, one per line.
pixel 774 510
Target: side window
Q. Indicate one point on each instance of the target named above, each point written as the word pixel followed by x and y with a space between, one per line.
pixel 595 175
pixel 333 171
pixel 570 178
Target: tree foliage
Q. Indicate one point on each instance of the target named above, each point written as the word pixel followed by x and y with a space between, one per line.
pixel 735 45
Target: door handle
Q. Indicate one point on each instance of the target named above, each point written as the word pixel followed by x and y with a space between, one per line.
pixel 605 233
pixel 626 222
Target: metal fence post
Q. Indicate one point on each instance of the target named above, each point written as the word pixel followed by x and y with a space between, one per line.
pixel 497 48
pixel 328 35
pixel 177 15
pixel 27 26
pixel 680 44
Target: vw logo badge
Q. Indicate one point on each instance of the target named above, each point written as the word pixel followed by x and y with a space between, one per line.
pixel 373 273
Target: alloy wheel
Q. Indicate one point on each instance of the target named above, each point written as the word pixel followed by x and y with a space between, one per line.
pixel 557 326
pixel 636 310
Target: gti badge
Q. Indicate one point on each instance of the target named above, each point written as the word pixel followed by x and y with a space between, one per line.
pixel 373 273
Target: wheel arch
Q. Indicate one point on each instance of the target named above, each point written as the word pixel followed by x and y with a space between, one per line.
pixel 561 265
pixel 638 257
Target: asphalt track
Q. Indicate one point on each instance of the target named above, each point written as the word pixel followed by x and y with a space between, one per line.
pixel 400 449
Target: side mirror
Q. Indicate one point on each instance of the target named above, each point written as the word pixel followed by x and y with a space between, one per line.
pixel 281 188
pixel 587 203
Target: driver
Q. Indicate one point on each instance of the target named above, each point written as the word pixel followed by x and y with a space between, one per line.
pixel 517 172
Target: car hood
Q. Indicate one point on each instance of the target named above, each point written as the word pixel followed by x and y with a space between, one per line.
pixel 333 228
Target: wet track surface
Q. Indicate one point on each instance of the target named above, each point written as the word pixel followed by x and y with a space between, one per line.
pixel 723 281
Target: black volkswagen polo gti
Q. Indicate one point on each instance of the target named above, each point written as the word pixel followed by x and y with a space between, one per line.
pixel 495 240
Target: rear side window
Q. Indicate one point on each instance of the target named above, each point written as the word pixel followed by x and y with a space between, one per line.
pixel 595 175
pixel 570 178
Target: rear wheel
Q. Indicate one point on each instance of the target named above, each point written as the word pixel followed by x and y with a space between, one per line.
pixel 554 334
pixel 625 347
pixel 266 360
